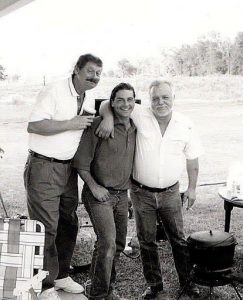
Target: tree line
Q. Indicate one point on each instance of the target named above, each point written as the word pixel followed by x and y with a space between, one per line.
pixel 211 54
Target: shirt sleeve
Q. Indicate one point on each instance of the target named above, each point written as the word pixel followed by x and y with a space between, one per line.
pixel 45 105
pixel 136 114
pixel 86 149
pixel 194 147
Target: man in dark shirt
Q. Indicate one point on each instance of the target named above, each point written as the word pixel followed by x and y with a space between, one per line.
pixel 106 166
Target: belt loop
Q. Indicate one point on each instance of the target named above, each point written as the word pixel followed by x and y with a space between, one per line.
pixel 31 153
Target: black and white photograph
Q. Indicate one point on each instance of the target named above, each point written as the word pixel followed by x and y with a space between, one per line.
pixel 121 149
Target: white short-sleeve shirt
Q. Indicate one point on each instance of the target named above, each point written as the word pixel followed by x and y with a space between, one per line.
pixel 159 161
pixel 57 101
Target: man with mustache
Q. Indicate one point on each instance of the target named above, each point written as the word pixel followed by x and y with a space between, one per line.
pixel 55 128
pixel 106 167
pixel 164 139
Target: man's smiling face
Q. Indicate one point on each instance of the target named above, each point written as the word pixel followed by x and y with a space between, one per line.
pixel 161 100
pixel 123 104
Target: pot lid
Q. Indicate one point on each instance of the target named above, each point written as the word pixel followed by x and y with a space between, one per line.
pixel 211 238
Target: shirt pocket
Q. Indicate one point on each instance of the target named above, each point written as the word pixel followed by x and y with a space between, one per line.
pixel 40 173
pixel 176 144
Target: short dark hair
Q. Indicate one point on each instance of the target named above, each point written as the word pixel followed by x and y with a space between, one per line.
pixel 119 87
pixel 85 58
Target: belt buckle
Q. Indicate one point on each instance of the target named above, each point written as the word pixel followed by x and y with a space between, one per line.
pixel 116 192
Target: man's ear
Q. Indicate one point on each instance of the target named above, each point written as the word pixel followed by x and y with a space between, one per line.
pixel 173 99
pixel 76 70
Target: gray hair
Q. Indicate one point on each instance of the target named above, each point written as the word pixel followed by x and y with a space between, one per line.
pixel 159 82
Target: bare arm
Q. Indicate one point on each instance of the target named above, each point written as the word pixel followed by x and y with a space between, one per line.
pixel 106 127
pixel 50 127
pixel 98 191
pixel 192 166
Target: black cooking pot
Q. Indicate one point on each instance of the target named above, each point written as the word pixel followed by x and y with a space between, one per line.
pixel 212 250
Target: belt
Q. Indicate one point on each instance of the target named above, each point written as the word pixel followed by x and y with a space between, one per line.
pixel 51 159
pixel 150 189
pixel 118 191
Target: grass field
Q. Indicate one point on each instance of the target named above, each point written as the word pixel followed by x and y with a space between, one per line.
pixel 215 106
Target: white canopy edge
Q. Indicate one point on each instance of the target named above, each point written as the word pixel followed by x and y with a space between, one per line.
pixel 7 6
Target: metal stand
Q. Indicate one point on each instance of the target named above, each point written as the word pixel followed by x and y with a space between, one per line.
pixel 210 281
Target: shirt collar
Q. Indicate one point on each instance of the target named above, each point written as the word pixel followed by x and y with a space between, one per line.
pixel 174 116
pixel 117 122
pixel 72 88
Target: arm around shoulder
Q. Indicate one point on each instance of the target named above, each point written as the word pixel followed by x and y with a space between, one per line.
pixel 106 127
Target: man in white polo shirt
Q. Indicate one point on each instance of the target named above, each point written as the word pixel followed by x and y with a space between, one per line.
pixel 164 139
pixel 55 128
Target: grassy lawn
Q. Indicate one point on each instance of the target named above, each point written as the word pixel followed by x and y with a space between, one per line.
pixel 219 123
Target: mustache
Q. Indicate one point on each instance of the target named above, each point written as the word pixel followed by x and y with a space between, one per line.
pixel 93 80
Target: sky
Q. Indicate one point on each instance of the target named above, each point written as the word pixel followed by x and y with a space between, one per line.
pixel 47 36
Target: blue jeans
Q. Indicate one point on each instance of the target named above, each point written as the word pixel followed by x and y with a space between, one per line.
pixel 109 220
pixel 168 205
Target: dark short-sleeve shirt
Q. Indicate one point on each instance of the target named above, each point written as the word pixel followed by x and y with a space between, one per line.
pixel 109 161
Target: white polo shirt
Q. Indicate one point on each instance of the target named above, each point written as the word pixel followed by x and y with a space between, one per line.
pixel 57 101
pixel 159 161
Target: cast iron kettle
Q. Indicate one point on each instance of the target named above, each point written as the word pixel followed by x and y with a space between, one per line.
pixel 212 251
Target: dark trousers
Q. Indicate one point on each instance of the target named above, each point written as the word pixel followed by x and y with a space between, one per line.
pixel 52 198
pixel 168 205
pixel 109 220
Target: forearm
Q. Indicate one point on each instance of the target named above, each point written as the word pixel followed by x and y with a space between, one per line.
pixel 106 127
pixel 192 171
pixel 51 127
pixel 105 110
pixel 48 127
pixel 88 179
pixel 99 192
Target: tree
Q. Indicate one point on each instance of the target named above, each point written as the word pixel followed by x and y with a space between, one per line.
pixel 126 68
pixel 111 73
pixel 209 55
pixel 237 55
pixel 3 76
pixel 15 77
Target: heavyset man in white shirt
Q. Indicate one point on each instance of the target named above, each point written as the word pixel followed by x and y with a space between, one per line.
pixel 164 139
pixel 55 128
pixel 160 151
